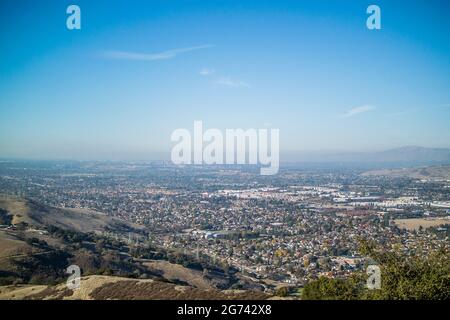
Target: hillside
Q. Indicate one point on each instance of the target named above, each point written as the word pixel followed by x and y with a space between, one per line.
pixel 111 288
pixel 80 220
pixel 403 156
pixel 434 173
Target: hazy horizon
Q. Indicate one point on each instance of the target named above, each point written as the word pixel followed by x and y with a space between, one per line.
pixel 309 156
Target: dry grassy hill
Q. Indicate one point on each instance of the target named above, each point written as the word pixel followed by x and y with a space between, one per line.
pixel 80 220
pixel 422 173
pixel 112 288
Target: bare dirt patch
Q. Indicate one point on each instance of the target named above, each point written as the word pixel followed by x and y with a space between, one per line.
pixel 416 223
pixel 177 272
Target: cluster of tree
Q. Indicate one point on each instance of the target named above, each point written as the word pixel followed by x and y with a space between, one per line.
pixel 69 235
pixel 404 276
pixel 48 268
pixel 442 232
pixel 186 261
pixel 282 292
pixel 37 242
pixel 148 252
pixel 5 217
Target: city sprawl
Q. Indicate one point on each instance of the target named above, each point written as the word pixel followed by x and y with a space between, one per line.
pixel 286 229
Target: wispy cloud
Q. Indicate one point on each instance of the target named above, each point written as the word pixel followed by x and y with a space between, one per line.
pixel 227 81
pixel 357 110
pixel 207 72
pixel 169 54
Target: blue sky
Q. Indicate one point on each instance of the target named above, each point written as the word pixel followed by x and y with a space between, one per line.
pixel 137 70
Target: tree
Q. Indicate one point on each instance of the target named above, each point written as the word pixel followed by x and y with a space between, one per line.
pixel 413 276
pixel 282 292
pixel 332 289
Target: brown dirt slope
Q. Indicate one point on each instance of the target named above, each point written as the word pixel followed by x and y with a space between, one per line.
pixel 117 288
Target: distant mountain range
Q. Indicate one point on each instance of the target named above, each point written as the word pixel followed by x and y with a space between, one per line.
pixel 409 155
pixel 413 154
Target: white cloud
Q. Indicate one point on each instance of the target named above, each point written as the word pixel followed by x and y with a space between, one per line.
pixel 207 72
pixel 227 81
pixel 357 110
pixel 127 55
